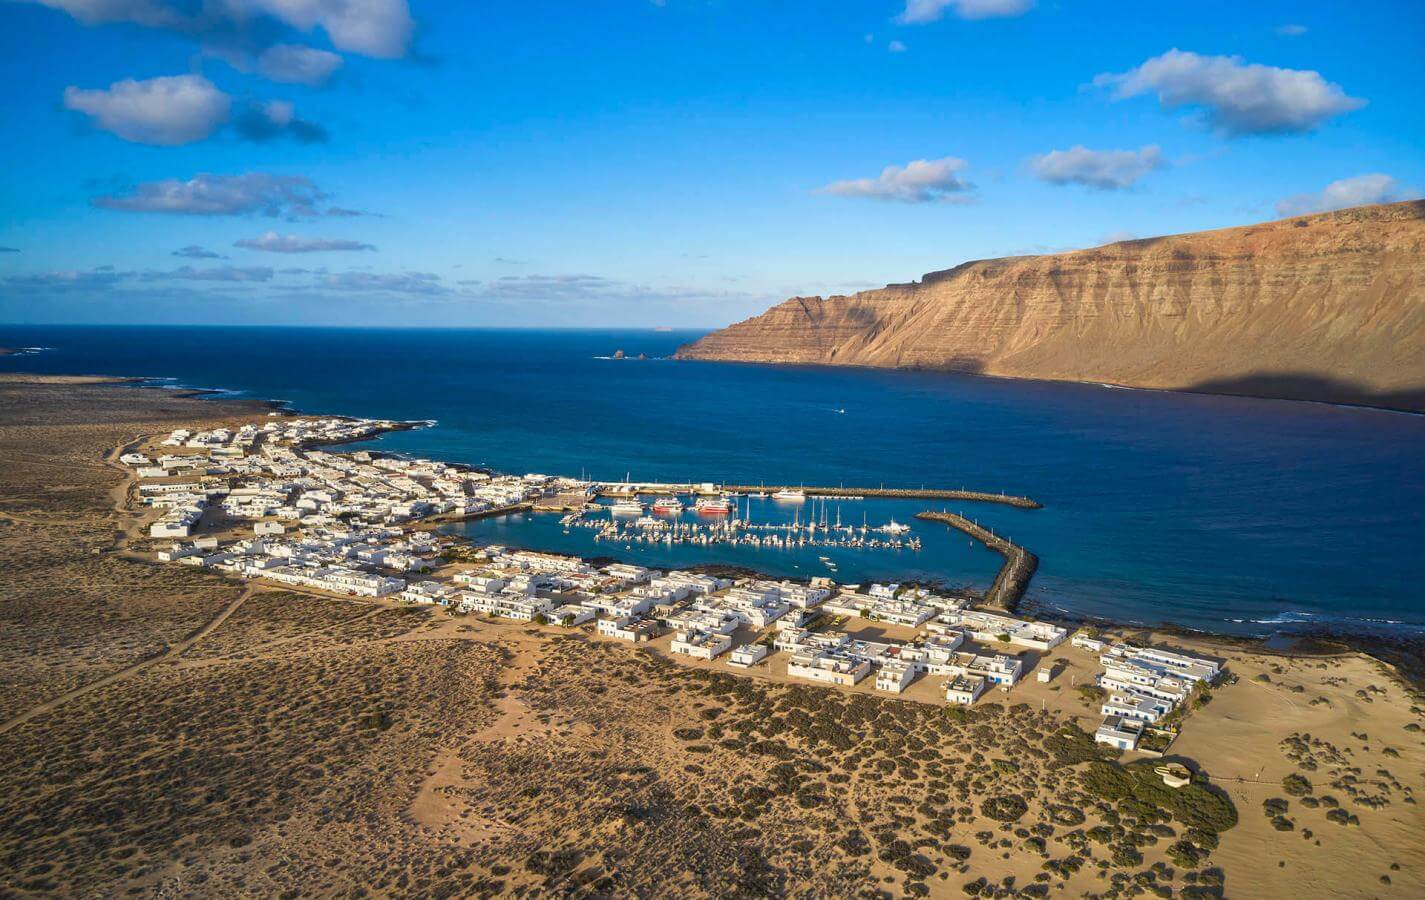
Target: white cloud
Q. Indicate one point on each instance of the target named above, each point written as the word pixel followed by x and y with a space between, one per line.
pixel 1361 190
pixel 1238 98
pixel 918 12
pixel 380 28
pixel 920 181
pixel 1291 30
pixel 1102 169
pixel 896 47
pixel 222 195
pixel 295 64
pixel 172 110
pixel 272 242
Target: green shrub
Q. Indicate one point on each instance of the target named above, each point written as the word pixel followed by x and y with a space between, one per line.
pixel 1006 808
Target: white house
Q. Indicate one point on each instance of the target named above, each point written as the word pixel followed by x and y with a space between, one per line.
pixel 895 676
pixel 1119 732
pixel 964 689
pixel 747 655
pixel 701 644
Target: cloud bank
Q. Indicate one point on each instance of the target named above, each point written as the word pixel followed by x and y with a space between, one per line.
pixel 291 196
pixel 272 242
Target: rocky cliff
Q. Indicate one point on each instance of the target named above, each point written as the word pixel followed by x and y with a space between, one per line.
pixel 1324 307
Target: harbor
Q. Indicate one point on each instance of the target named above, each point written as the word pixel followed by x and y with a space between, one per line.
pixel 713 522
pixel 875 538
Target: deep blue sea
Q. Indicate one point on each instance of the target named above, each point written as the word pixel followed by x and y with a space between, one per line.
pixel 1220 513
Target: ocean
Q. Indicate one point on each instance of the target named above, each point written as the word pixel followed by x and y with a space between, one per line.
pixel 1219 513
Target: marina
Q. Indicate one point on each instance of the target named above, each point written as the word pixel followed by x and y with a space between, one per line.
pixel 717 521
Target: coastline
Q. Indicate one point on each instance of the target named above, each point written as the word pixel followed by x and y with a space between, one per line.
pixel 1403 653
pixel 451 700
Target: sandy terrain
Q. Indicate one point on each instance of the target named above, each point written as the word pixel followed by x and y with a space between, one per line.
pixel 167 731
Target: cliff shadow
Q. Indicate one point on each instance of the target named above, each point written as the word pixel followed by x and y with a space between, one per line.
pixel 1311 386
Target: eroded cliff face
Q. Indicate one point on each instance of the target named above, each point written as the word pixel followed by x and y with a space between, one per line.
pixel 1326 307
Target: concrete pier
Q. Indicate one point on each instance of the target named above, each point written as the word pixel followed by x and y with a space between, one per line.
pixel 891 493
pixel 625 489
pixel 1019 564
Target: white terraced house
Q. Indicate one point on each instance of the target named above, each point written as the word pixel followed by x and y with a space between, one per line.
pixel 964 689
pixel 747 655
pixel 828 666
pixel 896 612
pixel 1133 705
pixel 628 628
pixel 985 626
pixel 571 614
pixel 1129 674
pixel 507 606
pixel 895 676
pixel 701 644
pixel 1000 668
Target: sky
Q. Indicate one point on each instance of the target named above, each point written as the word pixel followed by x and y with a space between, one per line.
pixel 631 163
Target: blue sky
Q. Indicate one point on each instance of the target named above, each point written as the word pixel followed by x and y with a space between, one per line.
pixel 631 163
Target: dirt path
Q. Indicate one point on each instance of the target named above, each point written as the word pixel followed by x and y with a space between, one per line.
pixel 133 669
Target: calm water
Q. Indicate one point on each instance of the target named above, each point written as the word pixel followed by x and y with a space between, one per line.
pixel 1221 513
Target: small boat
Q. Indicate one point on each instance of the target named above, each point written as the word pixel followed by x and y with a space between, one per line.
pixel 894 527
pixel 713 506
pixel 790 496
pixel 627 508
pixel 667 505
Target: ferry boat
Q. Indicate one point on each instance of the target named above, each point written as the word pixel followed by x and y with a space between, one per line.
pixel 667 505
pixel 790 495
pixel 627 508
pixel 713 506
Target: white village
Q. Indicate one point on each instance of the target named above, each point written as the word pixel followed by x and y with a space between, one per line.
pixel 264 501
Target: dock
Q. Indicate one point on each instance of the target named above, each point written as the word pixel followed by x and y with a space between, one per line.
pixel 1019 567
pixel 844 492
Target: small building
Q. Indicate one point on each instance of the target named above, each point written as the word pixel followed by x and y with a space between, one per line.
pixel 895 676
pixel 701 644
pixel 964 689
pixel 1091 644
pixel 747 655
pixel 1045 674
pixel 828 667
pixel 628 628
pixel 571 614
pixel 1120 732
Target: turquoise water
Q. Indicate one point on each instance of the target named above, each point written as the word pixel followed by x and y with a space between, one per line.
pixel 1213 512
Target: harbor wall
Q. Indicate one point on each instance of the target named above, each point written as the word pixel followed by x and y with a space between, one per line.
pixel 1019 564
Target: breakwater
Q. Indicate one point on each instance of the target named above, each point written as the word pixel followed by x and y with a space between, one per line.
pixel 1019 566
pixel 891 493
